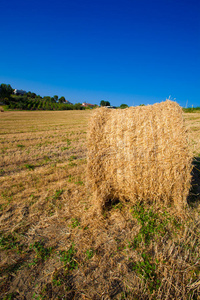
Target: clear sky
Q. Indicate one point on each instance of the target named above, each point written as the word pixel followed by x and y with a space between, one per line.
pixel 128 51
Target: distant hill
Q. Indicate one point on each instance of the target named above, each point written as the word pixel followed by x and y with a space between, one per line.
pixel 22 100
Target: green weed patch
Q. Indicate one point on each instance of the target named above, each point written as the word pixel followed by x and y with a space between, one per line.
pixel 68 258
pixel 41 253
pixel 151 224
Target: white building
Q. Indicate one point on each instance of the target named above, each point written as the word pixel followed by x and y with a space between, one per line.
pixel 19 92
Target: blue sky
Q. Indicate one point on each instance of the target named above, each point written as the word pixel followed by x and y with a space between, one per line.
pixel 126 51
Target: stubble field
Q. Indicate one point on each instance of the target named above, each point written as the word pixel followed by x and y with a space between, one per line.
pixel 51 244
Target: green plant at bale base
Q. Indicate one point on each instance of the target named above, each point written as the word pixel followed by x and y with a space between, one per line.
pixel 67 257
pixel 62 279
pixel 20 146
pixel 72 164
pixel 72 157
pixel 58 193
pixel 2 171
pixel 57 281
pixel 118 205
pixel 147 271
pixel 46 158
pixel 71 178
pixel 79 182
pixel 10 242
pixel 64 148
pixel 75 222
pixel 151 224
pixel 29 166
pixel 68 142
pixel 41 252
pixel 89 253
pixel 7 195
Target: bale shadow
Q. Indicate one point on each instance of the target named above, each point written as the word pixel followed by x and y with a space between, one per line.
pixel 194 194
pixel 111 203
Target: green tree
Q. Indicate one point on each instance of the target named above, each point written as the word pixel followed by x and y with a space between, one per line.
pixel 33 95
pixel 47 99
pixel 78 106
pixel 104 103
pixel 55 98
pixel 123 106
pixel 5 90
pixel 61 99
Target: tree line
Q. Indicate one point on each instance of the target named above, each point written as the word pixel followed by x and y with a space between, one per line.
pixel 32 101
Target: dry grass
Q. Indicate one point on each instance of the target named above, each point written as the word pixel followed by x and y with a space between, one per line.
pixel 52 247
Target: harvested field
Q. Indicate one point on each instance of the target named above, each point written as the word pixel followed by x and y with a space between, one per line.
pixel 51 245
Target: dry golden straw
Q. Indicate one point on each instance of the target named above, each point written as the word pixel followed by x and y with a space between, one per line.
pixel 139 153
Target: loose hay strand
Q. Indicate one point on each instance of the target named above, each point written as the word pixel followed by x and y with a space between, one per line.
pixel 139 153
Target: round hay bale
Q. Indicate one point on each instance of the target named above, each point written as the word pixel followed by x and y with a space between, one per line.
pixel 139 153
